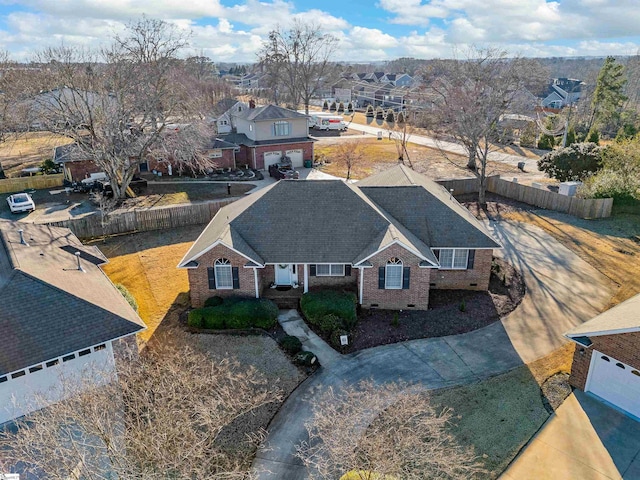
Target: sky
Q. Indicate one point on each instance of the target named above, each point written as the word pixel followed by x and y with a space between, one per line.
pixel 375 30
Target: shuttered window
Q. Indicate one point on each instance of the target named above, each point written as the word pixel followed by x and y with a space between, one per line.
pixel 223 274
pixel 330 270
pixel 454 258
pixel 393 274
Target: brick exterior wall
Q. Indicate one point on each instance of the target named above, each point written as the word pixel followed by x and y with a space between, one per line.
pixel 623 347
pixel 306 147
pixel 462 279
pixel 418 292
pixel 226 161
pixel 78 171
pixel 350 282
pixel 199 278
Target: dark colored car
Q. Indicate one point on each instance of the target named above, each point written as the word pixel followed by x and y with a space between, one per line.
pixel 279 171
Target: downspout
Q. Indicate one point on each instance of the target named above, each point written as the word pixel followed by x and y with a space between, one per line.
pixel 255 278
pixel 361 281
pixel 306 278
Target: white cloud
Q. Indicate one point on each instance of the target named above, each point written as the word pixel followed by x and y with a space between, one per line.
pixel 371 38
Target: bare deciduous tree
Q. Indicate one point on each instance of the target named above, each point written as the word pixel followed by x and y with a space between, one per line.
pixel 350 154
pixel 382 431
pixel 184 147
pixel 471 94
pixel 165 415
pixel 298 59
pixel 116 103
pixel 401 134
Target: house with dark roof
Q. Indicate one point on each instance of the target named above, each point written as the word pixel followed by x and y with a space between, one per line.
pixel 606 361
pixel 266 134
pixel 391 238
pixel 562 92
pixel 60 317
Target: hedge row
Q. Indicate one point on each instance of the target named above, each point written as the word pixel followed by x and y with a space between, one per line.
pixel 235 313
pixel 332 312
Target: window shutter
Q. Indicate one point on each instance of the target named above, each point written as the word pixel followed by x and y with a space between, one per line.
pixel 212 278
pixel 312 270
pixel 347 270
pixel 381 278
pixel 437 254
pixel 236 278
pixel 405 277
pixel 470 260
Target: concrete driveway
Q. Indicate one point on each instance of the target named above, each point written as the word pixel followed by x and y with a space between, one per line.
pixel 562 291
pixel 583 439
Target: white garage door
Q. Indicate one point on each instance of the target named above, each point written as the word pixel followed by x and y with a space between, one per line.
pixel 270 158
pixel 615 382
pixel 296 157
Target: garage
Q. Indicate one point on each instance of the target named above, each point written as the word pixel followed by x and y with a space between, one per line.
pixel 271 157
pixel 606 361
pixel 296 157
pixel 615 382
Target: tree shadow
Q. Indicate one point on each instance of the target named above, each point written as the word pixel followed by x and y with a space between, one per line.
pixel 118 245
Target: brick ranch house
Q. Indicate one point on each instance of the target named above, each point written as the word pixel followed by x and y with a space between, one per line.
pixel 606 361
pixel 60 315
pixel 391 238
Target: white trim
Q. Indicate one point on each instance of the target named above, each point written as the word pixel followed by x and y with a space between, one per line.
pixel 215 272
pixel 395 265
pixel 75 352
pixel 594 358
pixel 212 246
pixel 361 279
pixel 330 274
pixel 599 333
pixel 306 278
pixel 398 242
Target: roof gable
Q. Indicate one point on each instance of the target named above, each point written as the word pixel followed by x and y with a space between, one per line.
pixel 268 112
pixel 623 318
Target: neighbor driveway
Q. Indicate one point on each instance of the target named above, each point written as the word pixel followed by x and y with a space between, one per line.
pixel 583 439
pixel 562 291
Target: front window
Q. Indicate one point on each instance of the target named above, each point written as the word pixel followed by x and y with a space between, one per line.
pixel 333 270
pixel 454 258
pixel 393 274
pixel 281 129
pixel 224 278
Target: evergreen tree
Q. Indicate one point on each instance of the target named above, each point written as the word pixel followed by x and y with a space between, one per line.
pixel 608 97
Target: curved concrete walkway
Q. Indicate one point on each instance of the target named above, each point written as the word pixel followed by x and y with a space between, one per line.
pixel 562 291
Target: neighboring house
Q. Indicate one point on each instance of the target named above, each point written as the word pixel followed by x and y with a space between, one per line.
pixel 391 238
pixel 562 92
pixel 60 316
pixel 265 134
pixel 220 152
pixel 224 121
pixel 398 79
pixel 606 361
pixel 74 163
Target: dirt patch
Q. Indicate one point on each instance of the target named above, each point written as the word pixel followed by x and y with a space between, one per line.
pixel 555 390
pixel 609 245
pixel 496 207
pixel 161 194
pixel 451 312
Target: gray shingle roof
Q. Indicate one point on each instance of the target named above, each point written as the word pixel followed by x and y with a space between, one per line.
pixel 329 221
pixel 242 139
pixel 68 153
pixel 49 307
pixel 268 112
pixel 623 318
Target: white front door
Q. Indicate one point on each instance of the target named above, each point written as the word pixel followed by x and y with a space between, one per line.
pixel 283 273
pixel 615 382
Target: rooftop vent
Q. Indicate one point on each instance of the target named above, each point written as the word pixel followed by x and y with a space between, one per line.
pixel 22 240
pixel 77 254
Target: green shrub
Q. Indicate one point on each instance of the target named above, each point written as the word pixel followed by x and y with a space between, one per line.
pixel 369 111
pixel 396 320
pixel 127 296
pixel 594 136
pixel 330 322
pixel 306 359
pixel 575 162
pixel 213 301
pixel 236 313
pixel 546 142
pixel 463 305
pixel 315 305
pixel 291 344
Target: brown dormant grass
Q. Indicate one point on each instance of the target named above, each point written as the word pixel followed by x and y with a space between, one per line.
pixel 28 149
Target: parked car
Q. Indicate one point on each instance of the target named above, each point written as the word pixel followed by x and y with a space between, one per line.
pixel 279 171
pixel 21 202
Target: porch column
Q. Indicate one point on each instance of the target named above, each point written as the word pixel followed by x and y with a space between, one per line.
pixel 255 278
pixel 306 278
pixel 361 282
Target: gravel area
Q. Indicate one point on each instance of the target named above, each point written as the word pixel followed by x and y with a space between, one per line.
pixel 451 312
pixel 555 390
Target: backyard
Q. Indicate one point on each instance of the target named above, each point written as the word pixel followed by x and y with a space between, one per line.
pixel 28 150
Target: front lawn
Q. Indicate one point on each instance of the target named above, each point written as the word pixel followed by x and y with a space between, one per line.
pixel 496 417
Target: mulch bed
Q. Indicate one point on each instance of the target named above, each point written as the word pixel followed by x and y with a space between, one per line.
pixel 496 206
pixel 451 312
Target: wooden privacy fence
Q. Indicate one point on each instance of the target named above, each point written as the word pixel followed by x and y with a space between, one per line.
pixel 156 218
pixel 10 185
pixel 461 186
pixel 590 208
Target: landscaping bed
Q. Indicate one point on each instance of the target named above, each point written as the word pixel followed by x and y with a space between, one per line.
pixel 451 312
